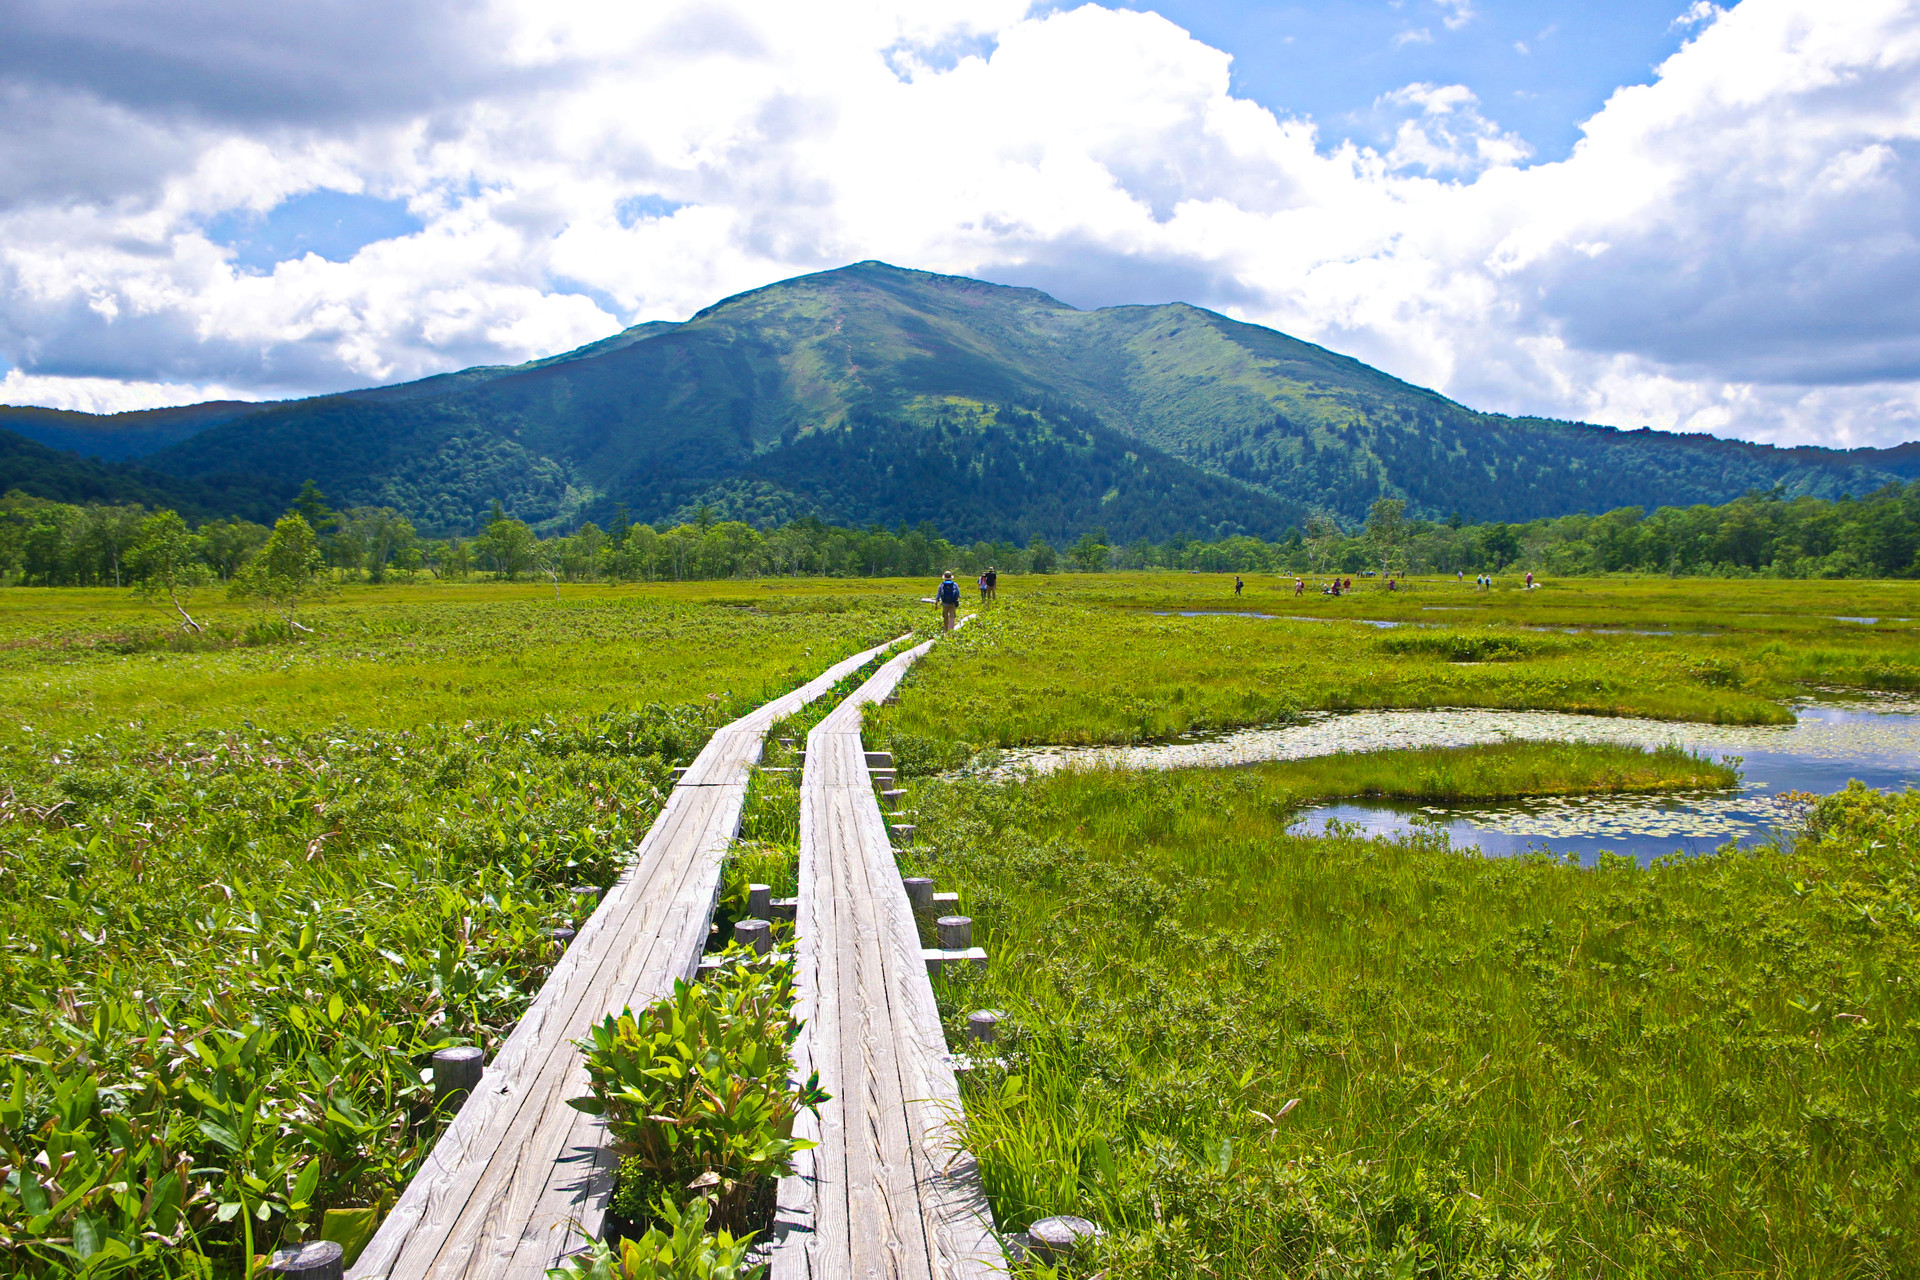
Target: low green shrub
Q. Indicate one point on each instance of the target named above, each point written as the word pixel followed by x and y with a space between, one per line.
pixel 1467 646
pixel 696 1093
pixel 683 1252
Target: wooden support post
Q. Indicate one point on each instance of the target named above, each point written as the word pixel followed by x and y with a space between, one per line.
pixel 456 1073
pixel 983 1025
pixel 759 901
pixel 879 759
pixel 783 908
pixel 882 779
pixel 562 936
pixel 955 932
pixel 313 1260
pixel 585 898
pixel 1055 1239
pixel 891 799
pixel 757 934
pixel 919 893
pixel 903 833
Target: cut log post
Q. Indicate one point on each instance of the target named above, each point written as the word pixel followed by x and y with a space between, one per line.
pixel 892 799
pixel 313 1260
pixel 759 901
pixel 903 833
pixel 946 900
pixel 879 759
pixel 882 778
pixel 955 932
pixel 456 1073
pixel 783 908
pixel 937 960
pixel 585 898
pixel 1055 1239
pixel 919 893
pixel 983 1025
pixel 757 934
pixel 562 936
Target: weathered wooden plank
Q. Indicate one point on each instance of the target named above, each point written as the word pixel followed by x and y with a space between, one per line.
pixel 514 1168
pixel 887 1192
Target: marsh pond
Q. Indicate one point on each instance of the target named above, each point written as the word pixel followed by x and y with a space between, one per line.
pixel 1875 740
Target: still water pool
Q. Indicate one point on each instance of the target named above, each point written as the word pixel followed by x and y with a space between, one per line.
pixel 1876 741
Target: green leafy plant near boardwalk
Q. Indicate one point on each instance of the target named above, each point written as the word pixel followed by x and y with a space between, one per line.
pixel 675 1248
pixel 229 957
pixel 696 1095
pixel 1248 1052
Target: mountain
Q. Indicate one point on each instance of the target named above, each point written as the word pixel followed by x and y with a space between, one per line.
pixel 873 393
pixel 63 476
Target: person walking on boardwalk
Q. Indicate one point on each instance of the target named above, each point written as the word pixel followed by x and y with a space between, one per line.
pixel 993 584
pixel 949 598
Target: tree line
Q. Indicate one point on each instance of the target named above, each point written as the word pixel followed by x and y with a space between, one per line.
pixel 47 543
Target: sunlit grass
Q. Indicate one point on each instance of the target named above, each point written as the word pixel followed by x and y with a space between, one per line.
pixel 1099 660
pixel 1501 1066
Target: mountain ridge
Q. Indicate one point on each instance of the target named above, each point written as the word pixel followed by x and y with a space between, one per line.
pixel 1024 416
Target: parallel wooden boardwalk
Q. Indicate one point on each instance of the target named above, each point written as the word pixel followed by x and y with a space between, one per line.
pixel 888 1192
pixel 518 1167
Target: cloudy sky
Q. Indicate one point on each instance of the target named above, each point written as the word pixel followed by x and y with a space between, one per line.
pixel 1621 211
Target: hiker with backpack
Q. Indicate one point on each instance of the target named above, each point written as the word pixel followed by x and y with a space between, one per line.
pixel 949 598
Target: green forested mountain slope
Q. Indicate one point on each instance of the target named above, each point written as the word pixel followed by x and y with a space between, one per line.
pixel 873 393
pixel 62 476
pixel 119 437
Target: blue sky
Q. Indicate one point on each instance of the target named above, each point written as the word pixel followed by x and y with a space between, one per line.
pixel 1539 68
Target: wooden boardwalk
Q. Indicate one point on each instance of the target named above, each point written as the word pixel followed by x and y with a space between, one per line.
pixel 517 1168
pixel 888 1192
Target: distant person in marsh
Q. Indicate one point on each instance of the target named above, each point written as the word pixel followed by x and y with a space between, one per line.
pixel 1238 585
pixel 982 584
pixel 949 597
pixel 993 584
pixel 1529 579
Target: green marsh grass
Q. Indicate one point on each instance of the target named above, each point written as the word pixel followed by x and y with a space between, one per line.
pixel 248 890
pixel 1452 775
pixel 400 656
pixel 1093 659
pixel 1247 1052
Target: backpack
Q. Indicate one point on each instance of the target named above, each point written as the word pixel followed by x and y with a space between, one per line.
pixel 949 592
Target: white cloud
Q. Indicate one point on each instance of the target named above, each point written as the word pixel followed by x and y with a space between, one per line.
pixel 1458 13
pixel 1447 133
pixel 1728 247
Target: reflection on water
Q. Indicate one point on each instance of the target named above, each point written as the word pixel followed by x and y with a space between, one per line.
pixel 1877 742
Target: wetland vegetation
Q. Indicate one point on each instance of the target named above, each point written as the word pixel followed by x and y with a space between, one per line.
pixel 254 877
pixel 251 886
pixel 1251 1052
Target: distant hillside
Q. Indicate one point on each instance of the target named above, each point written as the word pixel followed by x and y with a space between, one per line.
pixel 118 437
pixel 32 467
pixel 875 394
